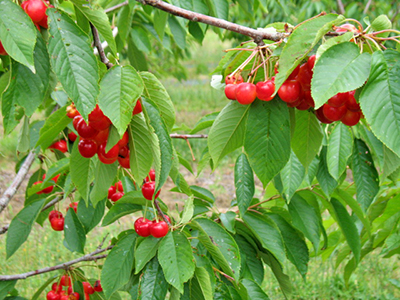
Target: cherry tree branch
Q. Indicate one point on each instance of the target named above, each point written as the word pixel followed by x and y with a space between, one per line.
pixel 88 257
pixel 188 136
pixel 125 3
pixel 13 188
pixel 4 229
pixel 99 46
pixel 341 7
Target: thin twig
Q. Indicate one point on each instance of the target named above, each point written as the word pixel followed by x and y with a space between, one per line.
pixel 97 43
pixel 188 136
pixel 116 7
pixel 367 6
pixel 341 7
pixel 13 188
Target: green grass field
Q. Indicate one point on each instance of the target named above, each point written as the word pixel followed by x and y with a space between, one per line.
pixel 193 99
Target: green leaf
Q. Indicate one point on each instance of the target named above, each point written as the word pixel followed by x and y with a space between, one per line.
pixel 178 32
pixel 176 258
pixel 9 108
pixel 391 162
pixel 73 61
pixel 160 22
pixel 188 210
pixel 267 233
pixel 251 267
pixel 146 250
pixel 339 150
pixel 202 193
pixel 136 57
pixel 325 179
pixel 164 144
pixel 42 288
pixel 337 73
pixel 17 33
pixel 153 285
pixel 228 220
pixel 140 37
pixel 119 90
pixel 383 84
pixel 334 41
pixel 220 245
pixel 21 226
pixel 365 174
pixel 307 137
pixel 301 42
pixel 244 183
pixel 99 19
pixel 292 176
pixel 26 88
pixel 382 22
pixel 205 122
pixel 296 247
pixel 204 282
pixel 74 232
pixel 254 291
pixel 60 166
pixel 305 219
pixel 348 228
pixel 267 140
pixel 155 91
pixel 90 216
pixel 104 177
pixel 117 268
pixel 6 287
pixel 227 132
pixel 126 205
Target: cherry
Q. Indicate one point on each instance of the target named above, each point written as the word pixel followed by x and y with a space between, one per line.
pixel 246 93
pixel 109 157
pixel 65 280
pixel 304 76
pixel 72 136
pixel 97 286
pixel 73 205
pixel 116 196
pixel 2 50
pixel 230 91
pixel 148 190
pixel 85 130
pixel 233 79
pixel 333 113
pixel 119 187
pixel 289 91
pixel 98 120
pixel 74 296
pixel 159 229
pixel 138 108
pixel 303 105
pixel 76 120
pixel 52 295
pixel 308 98
pixel 311 61
pixel 60 145
pixel 44 23
pixel 72 112
pixel 87 297
pixel 64 297
pixel 152 175
pixel 265 90
pixel 87 148
pixel 351 102
pixel 47 190
pixel 295 103
pixel 102 136
pixel 124 140
pixel 55 214
pixel 351 118
pixel 57 223
pixel 87 288
pixel 123 152
pixel 36 9
pixel 338 100
pixel 111 191
pixel 294 73
pixel 142 227
pixel 55 287
pixel 346 28
pixel 124 162
pixel 321 117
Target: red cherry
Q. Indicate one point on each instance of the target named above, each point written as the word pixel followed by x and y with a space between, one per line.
pixel 308 98
pixel 55 287
pixel 57 224
pixel 303 105
pixel 124 162
pixel 102 136
pixel 44 22
pixel 36 183
pixel 294 73
pixel 304 76
pixel 294 104
pixel 87 288
pixel 230 91
pixel 76 120
pixel 142 227
pixel 60 145
pixel 338 100
pixel 72 112
pixel 321 117
pixel 123 152
pixel 265 90
pixel 246 93
pixel 289 91
pixel 72 136
pixel 73 205
pixel 311 61
pixel 351 102
pixel 76 295
pixel 138 108
pixel 233 79
pixel 55 178
pixel 148 190
pixel 98 120
pixel 116 196
pixel 2 50
pixel 111 191
pixel 109 157
pixel 97 286
pixel 70 290
pixel 36 9
pixel 152 175
pixel 85 130
pixel 333 113
pixel 351 118
pixel 119 187
pixel 346 28
pixel 124 140
pixel 55 214
pixel 159 229
pixel 65 280
pixel 64 297
pixel 87 148
pixel 52 295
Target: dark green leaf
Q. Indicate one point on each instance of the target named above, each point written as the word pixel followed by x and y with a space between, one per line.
pixel 252 267
pixel 90 216
pixel 153 285
pixel 124 206
pixel 146 250
pixel 254 291
pixel 6 287
pixel 292 176
pixel 178 32
pixel 325 179
pixel 204 122
pixel 244 183
pixel 104 177
pixel 74 232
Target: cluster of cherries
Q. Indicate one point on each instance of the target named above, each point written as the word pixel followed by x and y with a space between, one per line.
pixel 94 135
pixel 57 292
pixel 49 189
pixel 60 145
pixel 115 192
pixel 56 218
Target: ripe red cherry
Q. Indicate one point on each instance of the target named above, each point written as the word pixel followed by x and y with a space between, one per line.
pixel 111 191
pixel 124 162
pixel 65 280
pixel 321 117
pixel 109 157
pixel 295 103
pixel 351 118
pixel 57 223
pixel 60 145
pixel 76 120
pixel 333 113
pixel 36 9
pixel 55 214
pixel 289 91
pixel 306 94
pixel 2 50
pixel 152 175
pixel 124 140
pixel 73 205
pixel 52 295
pixel 87 148
pixel 311 62
pixel 72 112
pixel 72 136
pixel 338 100
pixel 55 287
pixel 294 73
pixel 119 187
pixel 102 136
pixel 87 288
pixel 265 90
pixel 346 28
pixel 246 93
pixel 97 286
pixel 159 229
pixel 351 102
pixel 304 76
pixel 64 297
pixel 142 227
pixel 233 79
pixel 44 23
pixel 138 108
pixel 148 190
pixel 303 105
pixel 116 196
pixel 230 91
pixel 123 152
pixel 74 296
pixel 98 120
pixel 85 130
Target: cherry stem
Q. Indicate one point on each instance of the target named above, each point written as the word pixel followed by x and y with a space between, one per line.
pixel 160 212
pixel 238 49
pixel 188 136
pixel 264 64
pixel 240 68
pixel 224 274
